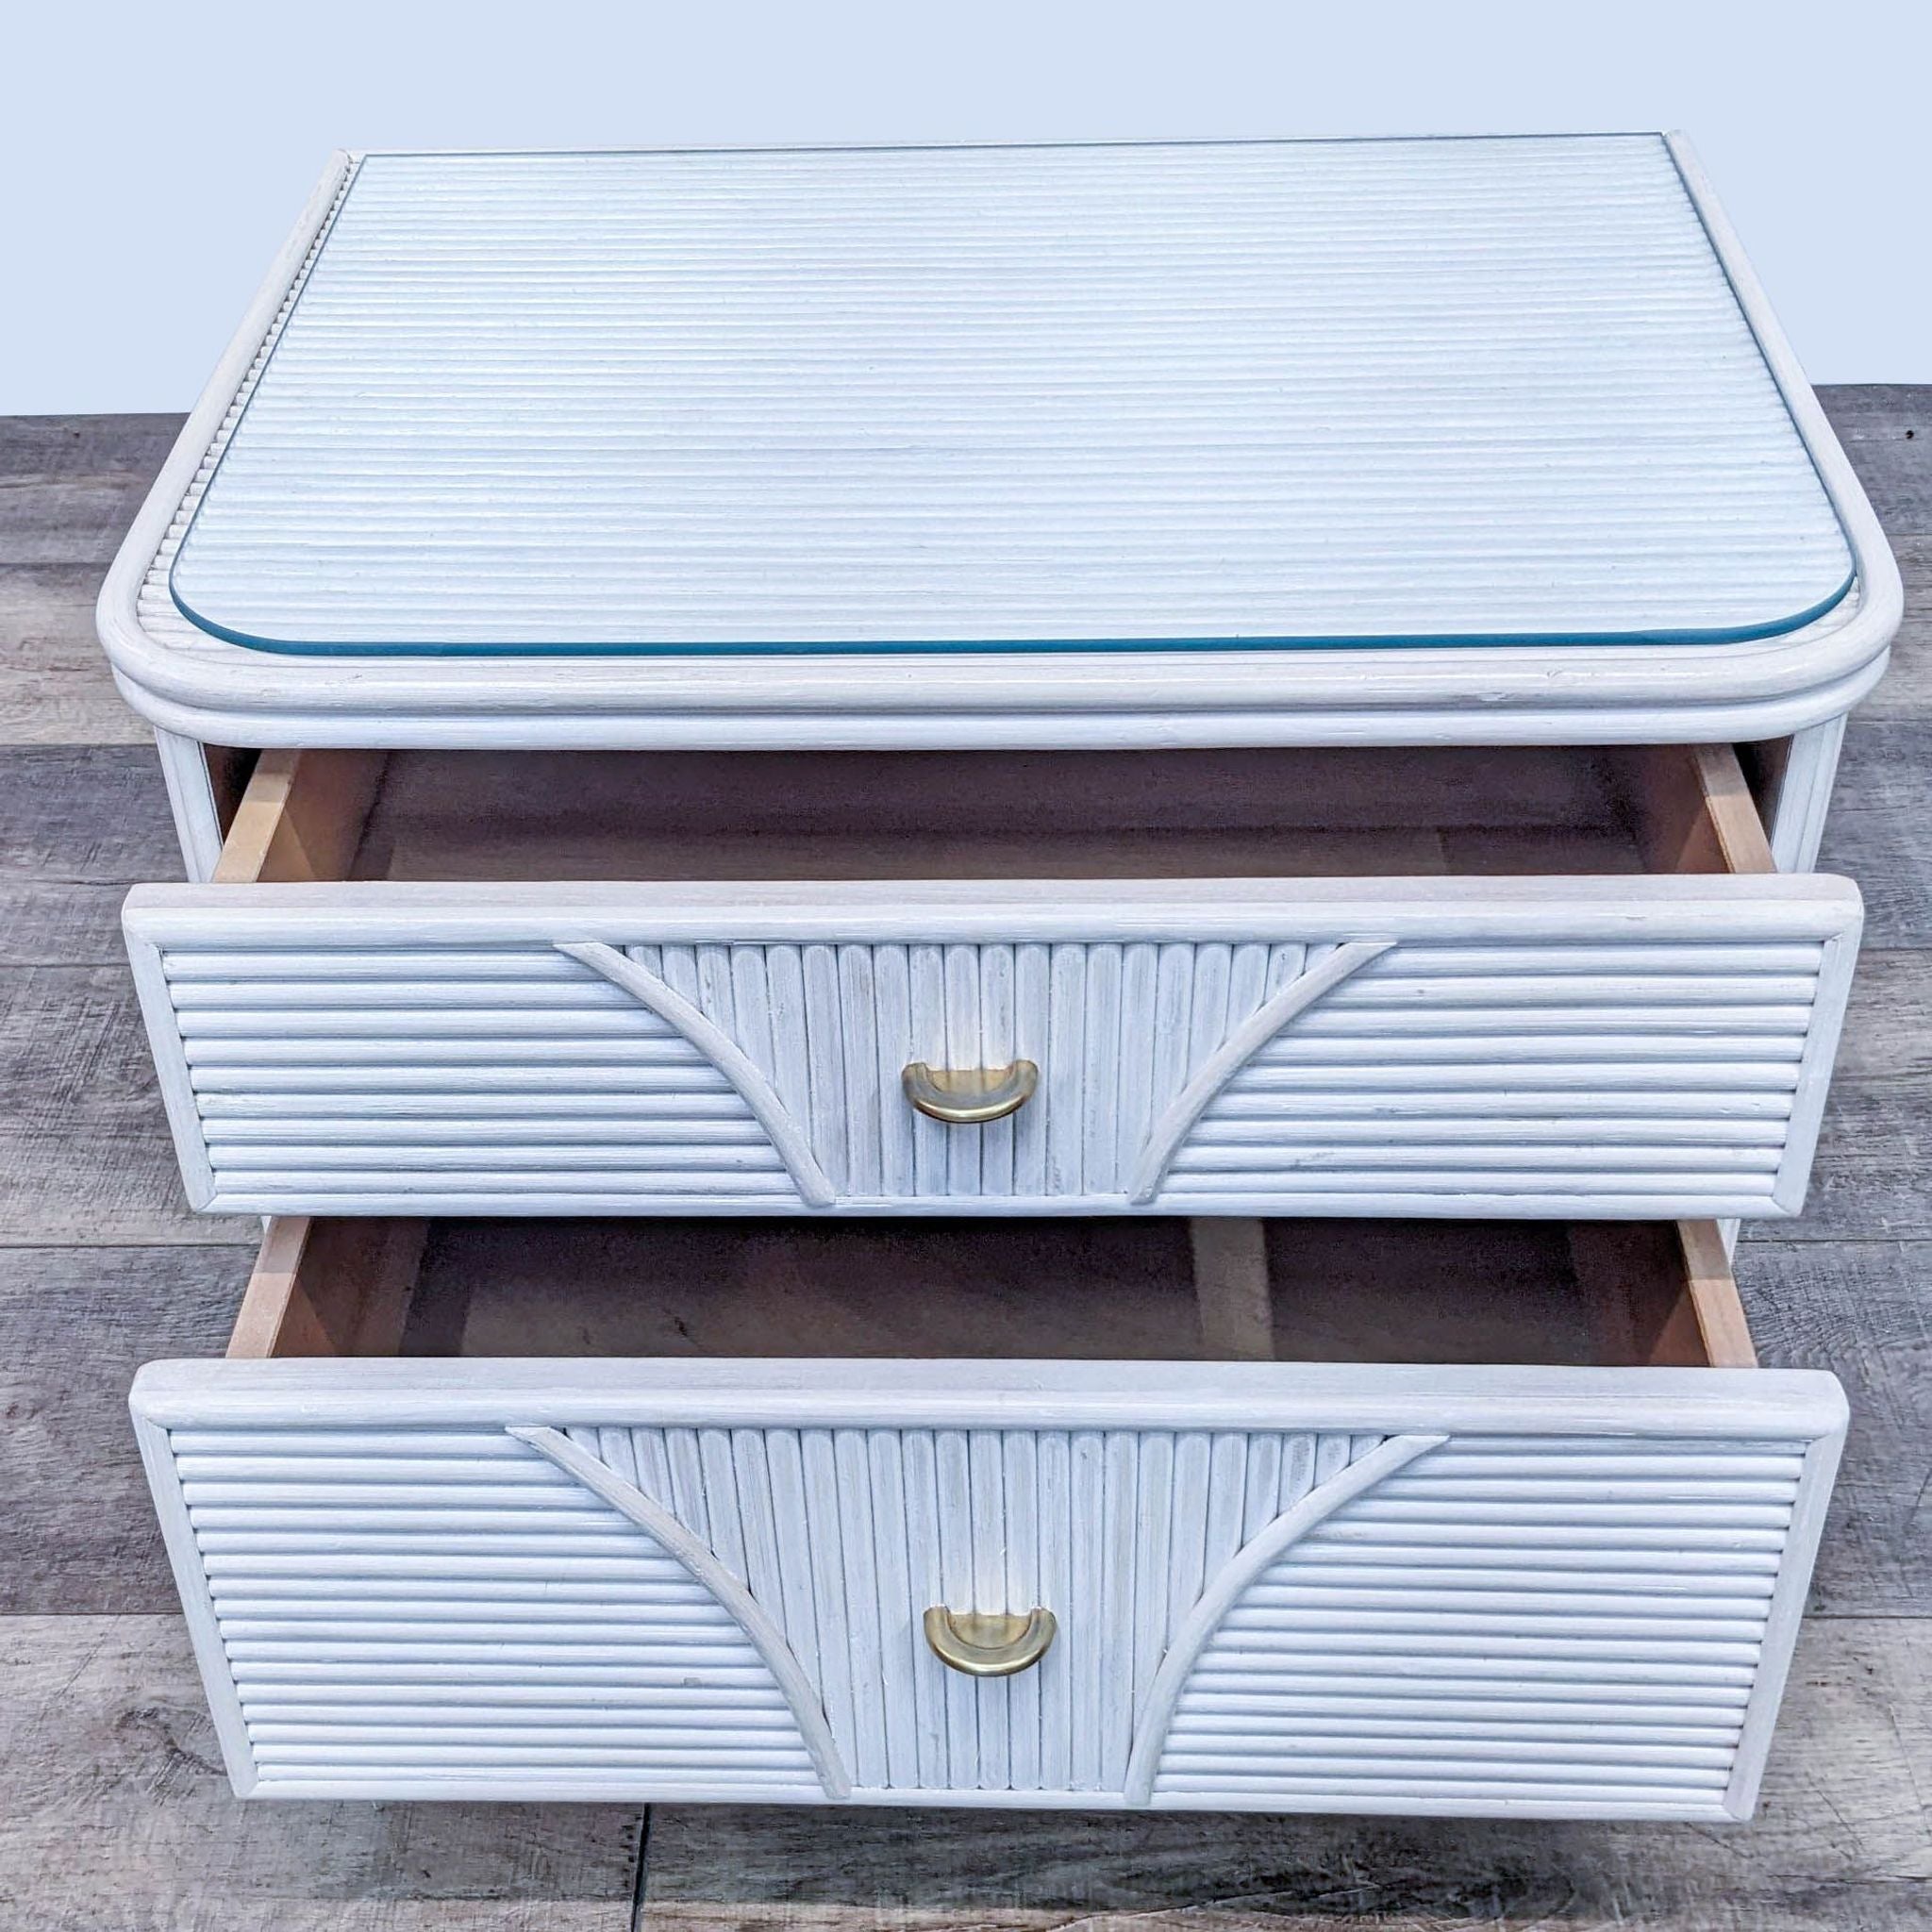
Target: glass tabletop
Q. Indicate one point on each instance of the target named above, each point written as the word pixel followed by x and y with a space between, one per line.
pixel 1268 396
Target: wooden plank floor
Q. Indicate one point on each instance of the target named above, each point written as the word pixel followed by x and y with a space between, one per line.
pixel 113 1815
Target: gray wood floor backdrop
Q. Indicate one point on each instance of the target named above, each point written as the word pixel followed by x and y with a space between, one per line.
pixel 113 1815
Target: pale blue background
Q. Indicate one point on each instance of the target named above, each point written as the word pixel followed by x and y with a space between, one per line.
pixel 155 155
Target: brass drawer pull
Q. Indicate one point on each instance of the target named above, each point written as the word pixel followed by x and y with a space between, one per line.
pixel 988 1644
pixel 967 1096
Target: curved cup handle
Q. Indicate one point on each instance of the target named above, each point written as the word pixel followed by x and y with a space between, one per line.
pixel 988 1644
pixel 969 1096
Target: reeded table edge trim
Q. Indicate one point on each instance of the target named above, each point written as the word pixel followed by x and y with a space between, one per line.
pixel 1475 695
pixel 1776 1405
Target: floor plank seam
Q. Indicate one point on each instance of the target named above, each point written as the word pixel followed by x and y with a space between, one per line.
pixel 638 1877
pixel 52 1243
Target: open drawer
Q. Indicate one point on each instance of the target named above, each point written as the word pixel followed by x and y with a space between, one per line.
pixel 1316 1550
pixel 1499 982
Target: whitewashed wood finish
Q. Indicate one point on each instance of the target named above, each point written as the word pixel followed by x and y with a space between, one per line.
pixel 450 1602
pixel 1368 1464
pixel 1519 1619
pixel 1804 795
pixel 619 1484
pixel 824 400
pixel 1786 1609
pixel 179 1539
pixel 190 683
pixel 191 801
pixel 845 1536
pixel 1611 1047
pixel 718 1047
pixel 1238 1044
pixel 895 1392
pixel 1573 1596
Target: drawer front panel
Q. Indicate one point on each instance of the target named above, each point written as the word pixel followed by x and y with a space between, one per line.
pixel 847 1535
pixel 1546 1619
pixel 1584 1622
pixel 1564 1048
pixel 397 1607
pixel 468 1071
pixel 1444 1069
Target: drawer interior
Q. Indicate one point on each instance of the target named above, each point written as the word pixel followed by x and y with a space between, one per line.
pixel 1292 812
pixel 1584 1293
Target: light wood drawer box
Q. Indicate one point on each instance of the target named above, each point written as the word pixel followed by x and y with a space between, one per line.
pixel 1380 1572
pixel 1509 982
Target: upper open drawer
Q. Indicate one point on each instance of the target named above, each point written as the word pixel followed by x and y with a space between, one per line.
pixel 884 988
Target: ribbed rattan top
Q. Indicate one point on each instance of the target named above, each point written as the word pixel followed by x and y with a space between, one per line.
pixel 1279 394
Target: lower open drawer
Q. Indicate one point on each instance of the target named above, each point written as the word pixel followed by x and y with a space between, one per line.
pixel 1354 1516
